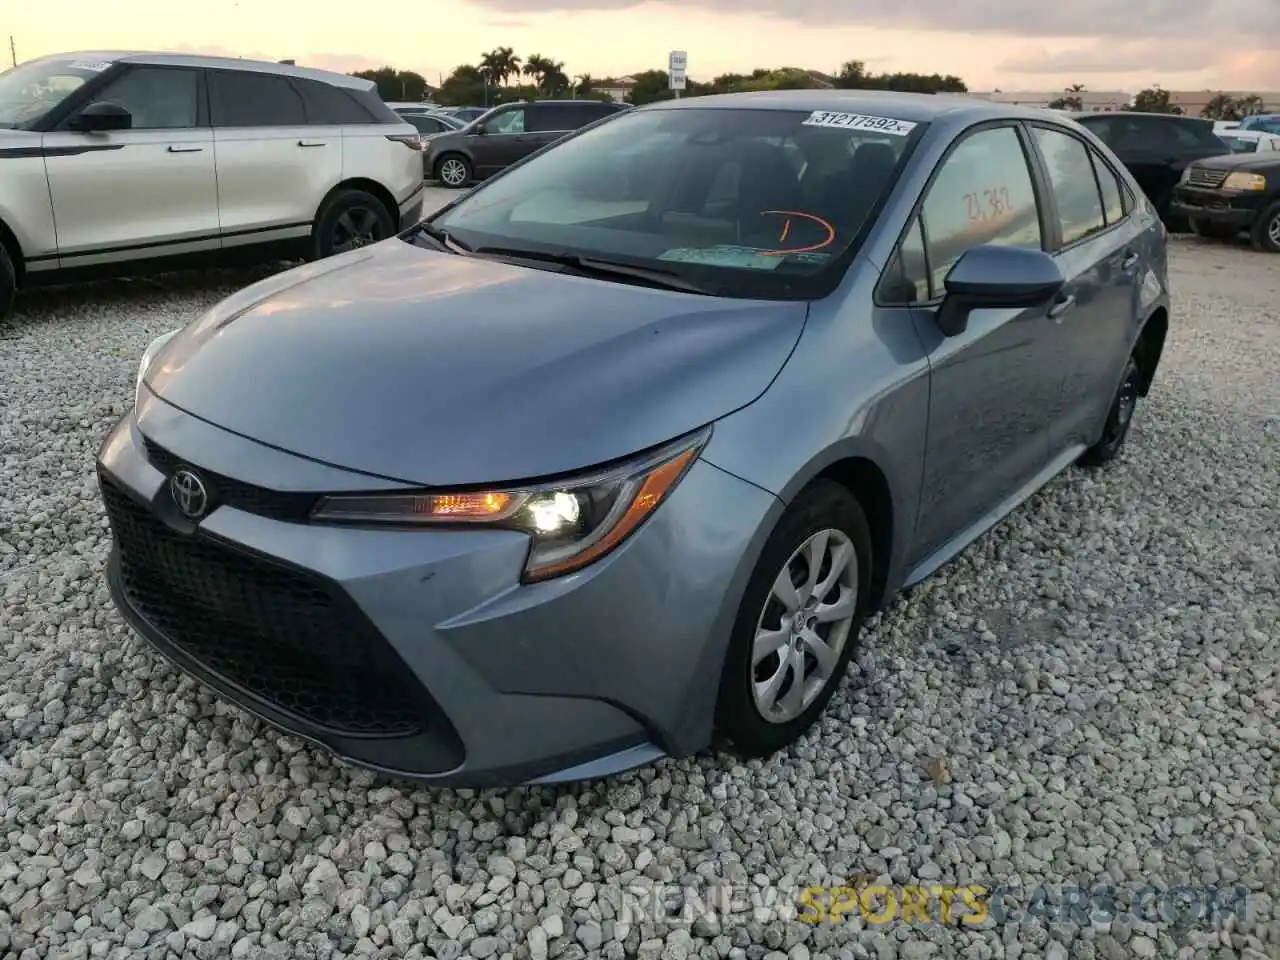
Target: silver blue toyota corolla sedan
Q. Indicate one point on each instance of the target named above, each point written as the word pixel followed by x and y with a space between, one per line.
pixel 612 456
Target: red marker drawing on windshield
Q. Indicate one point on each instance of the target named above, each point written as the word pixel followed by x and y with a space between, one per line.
pixel 786 229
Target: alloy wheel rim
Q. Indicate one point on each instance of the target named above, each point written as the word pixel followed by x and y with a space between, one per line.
pixel 357 227
pixel 804 626
pixel 453 172
pixel 1273 229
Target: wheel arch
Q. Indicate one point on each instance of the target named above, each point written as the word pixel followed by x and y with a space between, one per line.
pixel 9 240
pixel 1150 346
pixel 372 187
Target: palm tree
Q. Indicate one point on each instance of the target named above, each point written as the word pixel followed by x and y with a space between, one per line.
pixel 508 63
pixel 585 86
pixel 554 79
pixel 491 68
pixel 1248 106
pixel 1221 107
pixel 535 67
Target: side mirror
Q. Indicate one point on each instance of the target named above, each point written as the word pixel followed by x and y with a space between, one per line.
pixel 101 116
pixel 994 276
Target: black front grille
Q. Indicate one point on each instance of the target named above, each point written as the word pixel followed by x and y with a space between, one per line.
pixel 278 633
pixel 1204 177
pixel 278 505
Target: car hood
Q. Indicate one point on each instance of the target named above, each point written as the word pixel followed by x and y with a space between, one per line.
pixel 440 369
pixel 1242 161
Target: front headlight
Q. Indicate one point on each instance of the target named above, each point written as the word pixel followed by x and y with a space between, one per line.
pixel 1245 181
pixel 571 523
pixel 148 357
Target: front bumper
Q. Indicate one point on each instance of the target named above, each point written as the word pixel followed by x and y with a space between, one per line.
pixel 1225 208
pixel 411 208
pixel 418 653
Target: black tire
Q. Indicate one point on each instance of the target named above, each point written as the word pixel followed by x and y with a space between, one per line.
pixel 823 506
pixel 350 219
pixel 1265 234
pixel 8 284
pixel 445 167
pixel 1212 231
pixel 1119 418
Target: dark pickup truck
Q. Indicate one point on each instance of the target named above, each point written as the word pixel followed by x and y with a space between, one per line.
pixel 1224 196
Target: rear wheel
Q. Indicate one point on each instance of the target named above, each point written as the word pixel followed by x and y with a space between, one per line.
pixel 350 219
pixel 798 622
pixel 454 170
pixel 8 283
pixel 1266 231
pixel 1119 418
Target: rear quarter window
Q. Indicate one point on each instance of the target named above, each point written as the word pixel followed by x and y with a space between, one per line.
pixel 327 104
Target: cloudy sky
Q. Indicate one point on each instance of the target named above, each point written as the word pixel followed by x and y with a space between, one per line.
pixel 1009 44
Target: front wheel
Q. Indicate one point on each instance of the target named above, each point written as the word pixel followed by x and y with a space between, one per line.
pixel 8 283
pixel 1266 232
pixel 350 219
pixel 454 170
pixel 1119 418
pixel 798 622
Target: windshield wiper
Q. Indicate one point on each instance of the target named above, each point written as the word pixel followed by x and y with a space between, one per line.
pixel 444 239
pixel 590 266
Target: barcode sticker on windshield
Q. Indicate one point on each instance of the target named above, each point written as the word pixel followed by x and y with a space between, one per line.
pixel 97 66
pixel 857 121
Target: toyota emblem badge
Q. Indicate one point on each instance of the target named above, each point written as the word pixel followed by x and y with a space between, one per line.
pixel 189 493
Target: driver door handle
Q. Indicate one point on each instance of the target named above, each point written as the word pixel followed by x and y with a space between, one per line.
pixel 173 149
pixel 1130 261
pixel 311 143
pixel 1061 307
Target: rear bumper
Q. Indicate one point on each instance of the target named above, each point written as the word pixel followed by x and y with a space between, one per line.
pixel 477 679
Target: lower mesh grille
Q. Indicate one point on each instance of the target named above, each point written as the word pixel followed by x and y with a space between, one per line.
pixel 278 633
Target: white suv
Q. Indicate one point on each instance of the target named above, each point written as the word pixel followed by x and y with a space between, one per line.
pixel 115 163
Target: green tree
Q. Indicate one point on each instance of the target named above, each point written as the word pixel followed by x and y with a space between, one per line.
pixel 1153 100
pixel 466 86
pixel 651 86
pixel 853 75
pixel 1072 100
pixel 396 84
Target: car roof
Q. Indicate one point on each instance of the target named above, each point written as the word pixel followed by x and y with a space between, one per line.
pixel 214 63
pixel 1078 116
pixel 913 107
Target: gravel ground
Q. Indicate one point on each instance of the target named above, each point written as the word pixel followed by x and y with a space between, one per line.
pixel 1088 694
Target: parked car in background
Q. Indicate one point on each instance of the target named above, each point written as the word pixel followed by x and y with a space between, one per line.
pixel 408 107
pixel 429 124
pixel 1157 148
pixel 1266 122
pixel 1240 192
pixel 465 114
pixel 620 449
pixel 1251 141
pixel 506 134
pixel 121 163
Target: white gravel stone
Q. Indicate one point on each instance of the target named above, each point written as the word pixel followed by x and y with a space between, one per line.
pixel 1090 691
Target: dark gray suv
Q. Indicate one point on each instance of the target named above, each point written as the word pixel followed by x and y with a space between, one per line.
pixel 506 134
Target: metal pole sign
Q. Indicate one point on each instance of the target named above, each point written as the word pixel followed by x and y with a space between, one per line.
pixel 677 62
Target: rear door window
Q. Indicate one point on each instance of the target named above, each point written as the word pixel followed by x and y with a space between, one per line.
pixel 550 118
pixel 244 99
pixel 325 104
pixel 1075 188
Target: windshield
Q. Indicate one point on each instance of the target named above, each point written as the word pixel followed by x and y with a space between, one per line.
pixel 1267 123
pixel 1241 144
pixel 751 203
pixel 28 92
